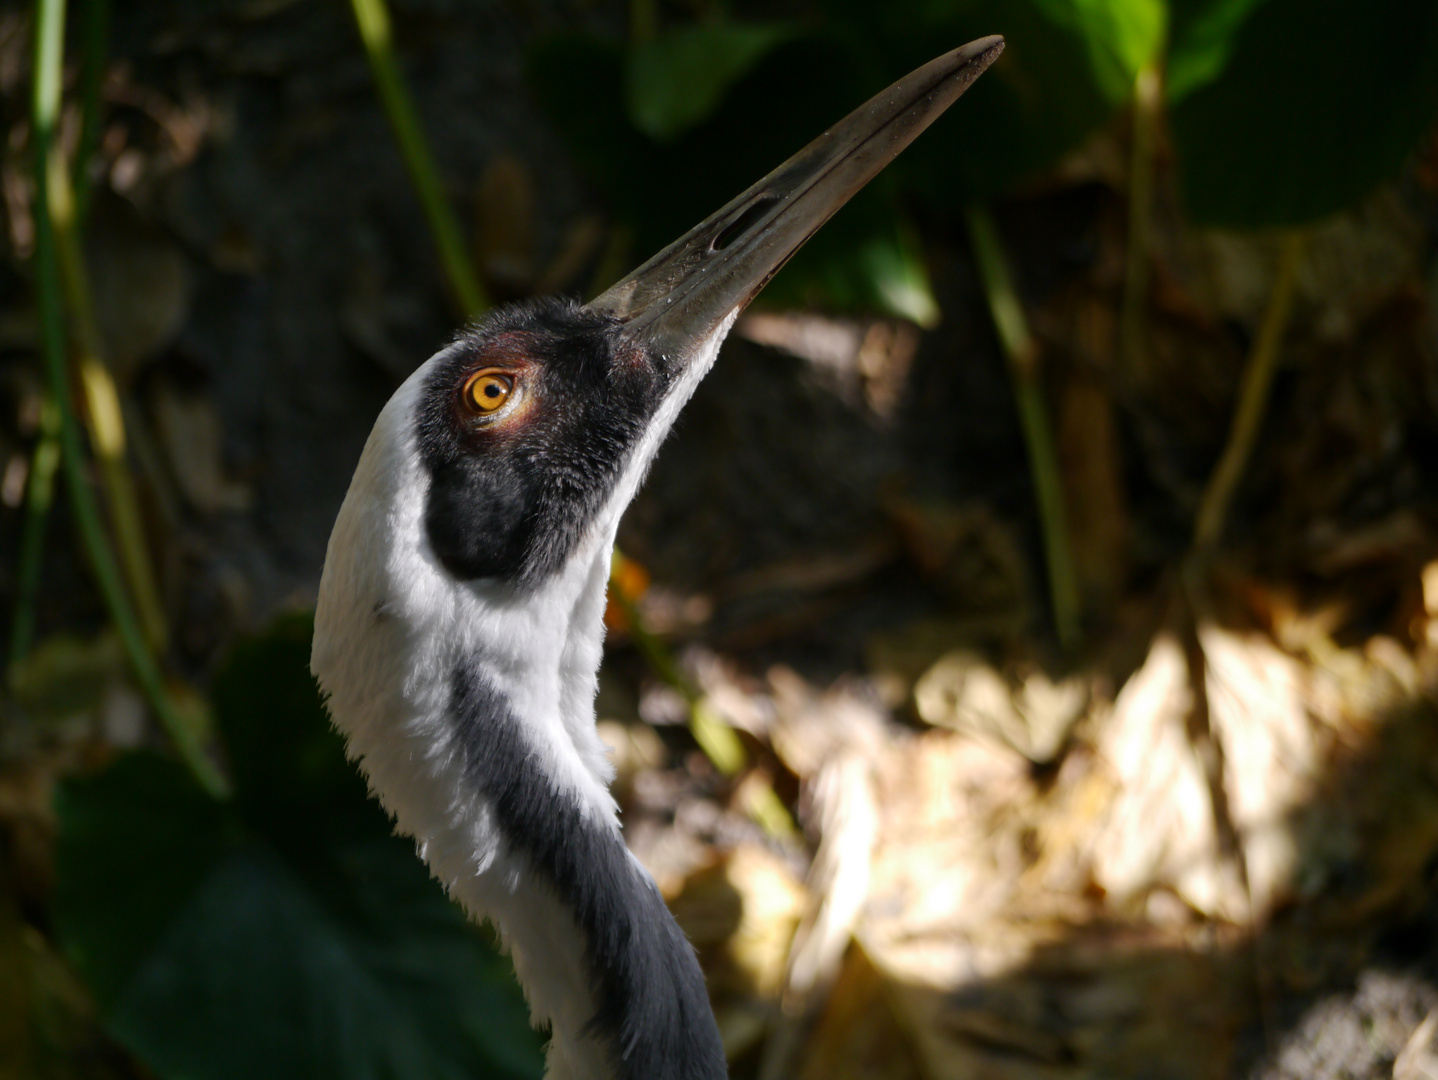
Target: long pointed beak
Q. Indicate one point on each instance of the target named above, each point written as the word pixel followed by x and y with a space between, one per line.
pixel 681 296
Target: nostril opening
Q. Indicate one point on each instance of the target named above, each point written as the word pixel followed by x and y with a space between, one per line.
pixel 743 223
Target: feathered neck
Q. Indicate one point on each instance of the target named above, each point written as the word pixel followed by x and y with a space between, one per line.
pixel 469 707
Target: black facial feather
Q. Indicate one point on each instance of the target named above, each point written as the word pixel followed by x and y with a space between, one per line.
pixel 653 1012
pixel 511 500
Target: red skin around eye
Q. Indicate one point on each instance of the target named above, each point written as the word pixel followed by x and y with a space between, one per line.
pixel 506 355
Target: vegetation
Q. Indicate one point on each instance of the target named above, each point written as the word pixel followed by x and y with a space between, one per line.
pixel 216 896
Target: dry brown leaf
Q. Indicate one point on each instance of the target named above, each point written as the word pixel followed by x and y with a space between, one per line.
pixel 964 692
pixel 1093 1006
pixel 1159 827
pixel 1419 1057
pixel 809 727
pixel 1273 752
pixel 948 858
pixel 743 911
pixel 845 808
pixel 858 1038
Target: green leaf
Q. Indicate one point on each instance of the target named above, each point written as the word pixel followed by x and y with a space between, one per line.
pixel 1203 38
pixel 900 278
pixel 286 761
pixel 1119 37
pixel 284 934
pixel 145 804
pixel 865 258
pixel 1285 111
pixel 678 79
pixel 1068 65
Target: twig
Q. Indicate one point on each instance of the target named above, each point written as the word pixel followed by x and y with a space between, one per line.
pixel 1252 398
pixel 39 496
pixel 1022 353
pixel 1195 611
pixel 49 55
pixel 372 17
pixel 1147 97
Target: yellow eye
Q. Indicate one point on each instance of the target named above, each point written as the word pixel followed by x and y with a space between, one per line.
pixel 487 390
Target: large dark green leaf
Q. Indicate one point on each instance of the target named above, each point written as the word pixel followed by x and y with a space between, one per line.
pixel 660 189
pixel 286 934
pixel 1288 110
pixel 1067 66
pixel 679 78
pixel 171 835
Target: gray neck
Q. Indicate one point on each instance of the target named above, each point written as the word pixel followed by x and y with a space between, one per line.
pixel 652 1019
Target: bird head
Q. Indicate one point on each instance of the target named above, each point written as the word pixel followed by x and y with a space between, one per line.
pixel 531 423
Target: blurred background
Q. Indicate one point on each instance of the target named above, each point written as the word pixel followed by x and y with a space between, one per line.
pixel 1022 661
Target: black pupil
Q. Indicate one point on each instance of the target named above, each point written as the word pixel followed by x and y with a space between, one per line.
pixel 491 390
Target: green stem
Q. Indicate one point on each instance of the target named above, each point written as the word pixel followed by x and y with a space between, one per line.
pixel 1022 352
pixel 92 79
pixel 373 20
pixel 1252 398
pixel 714 735
pixel 49 56
pixel 39 496
pixel 103 414
pixel 716 738
pixel 1147 98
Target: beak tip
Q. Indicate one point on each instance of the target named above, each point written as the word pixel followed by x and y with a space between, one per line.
pixel 974 58
pixel 993 43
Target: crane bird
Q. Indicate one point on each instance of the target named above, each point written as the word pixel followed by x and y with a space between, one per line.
pixel 459 627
